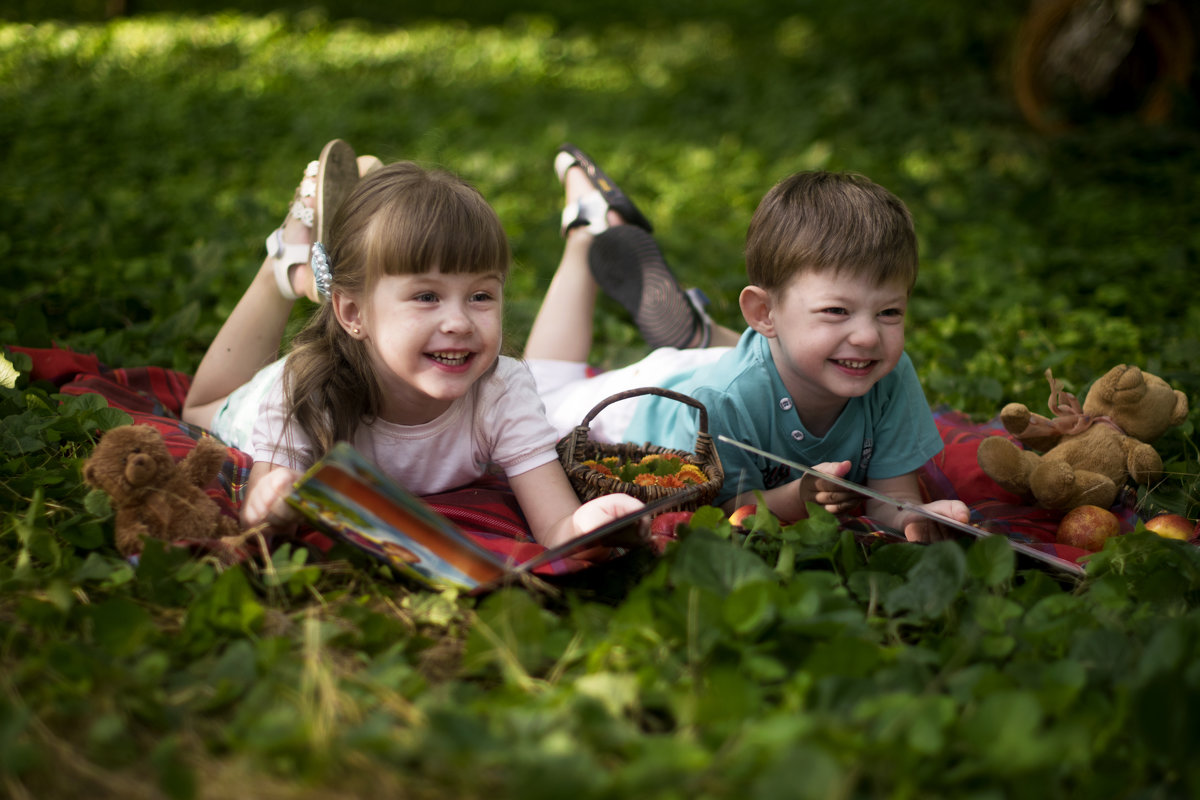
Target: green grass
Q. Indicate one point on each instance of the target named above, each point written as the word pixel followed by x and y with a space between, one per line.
pixel 144 159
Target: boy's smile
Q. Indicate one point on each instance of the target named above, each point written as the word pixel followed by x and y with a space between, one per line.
pixel 832 337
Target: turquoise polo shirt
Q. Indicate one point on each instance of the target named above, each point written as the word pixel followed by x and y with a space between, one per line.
pixel 889 431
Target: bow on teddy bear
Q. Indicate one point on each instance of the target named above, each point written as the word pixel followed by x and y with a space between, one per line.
pixel 1088 452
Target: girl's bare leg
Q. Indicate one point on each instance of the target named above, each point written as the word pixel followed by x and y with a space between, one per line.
pixel 251 336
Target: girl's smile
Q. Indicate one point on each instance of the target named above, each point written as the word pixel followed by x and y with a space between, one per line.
pixel 430 337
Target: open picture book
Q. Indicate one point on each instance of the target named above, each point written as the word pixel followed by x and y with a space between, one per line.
pixel 350 499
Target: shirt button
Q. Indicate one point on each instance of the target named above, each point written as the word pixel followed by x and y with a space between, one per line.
pixel 798 435
pixel 785 403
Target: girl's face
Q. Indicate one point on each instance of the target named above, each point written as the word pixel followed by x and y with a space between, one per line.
pixel 429 336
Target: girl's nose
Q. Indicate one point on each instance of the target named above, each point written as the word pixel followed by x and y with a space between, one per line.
pixel 456 319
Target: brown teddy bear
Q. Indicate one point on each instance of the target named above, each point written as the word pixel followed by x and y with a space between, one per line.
pixel 1088 452
pixel 155 497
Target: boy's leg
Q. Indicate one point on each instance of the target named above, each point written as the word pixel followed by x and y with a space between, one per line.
pixel 562 329
pixel 628 265
pixel 250 337
pixel 626 262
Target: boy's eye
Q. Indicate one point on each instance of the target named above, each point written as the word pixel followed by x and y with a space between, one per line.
pixel 834 310
pixel 892 312
pixel 482 297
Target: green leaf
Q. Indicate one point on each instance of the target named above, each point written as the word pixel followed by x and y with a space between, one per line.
pixel 932 584
pixel 991 561
pixel 120 626
pixel 751 608
pixel 1003 731
pixel 708 562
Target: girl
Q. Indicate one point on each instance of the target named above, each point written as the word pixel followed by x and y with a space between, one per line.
pixel 402 357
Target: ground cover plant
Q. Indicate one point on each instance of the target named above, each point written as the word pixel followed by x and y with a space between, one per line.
pixel 144 159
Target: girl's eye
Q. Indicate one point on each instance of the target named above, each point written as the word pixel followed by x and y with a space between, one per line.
pixel 892 312
pixel 481 297
pixel 834 310
pixel 426 297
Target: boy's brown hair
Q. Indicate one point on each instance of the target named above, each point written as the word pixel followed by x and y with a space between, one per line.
pixel 840 221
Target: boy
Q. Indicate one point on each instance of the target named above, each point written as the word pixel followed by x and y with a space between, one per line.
pixel 820 376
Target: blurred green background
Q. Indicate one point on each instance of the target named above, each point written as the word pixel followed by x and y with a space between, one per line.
pixel 146 155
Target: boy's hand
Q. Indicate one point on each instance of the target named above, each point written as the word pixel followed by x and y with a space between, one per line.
pixel 833 498
pixel 922 529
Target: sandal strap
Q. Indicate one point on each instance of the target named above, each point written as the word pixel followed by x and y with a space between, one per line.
pixel 700 301
pixel 590 209
pixel 283 255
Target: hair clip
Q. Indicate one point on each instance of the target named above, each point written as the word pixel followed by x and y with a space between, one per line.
pixel 322 270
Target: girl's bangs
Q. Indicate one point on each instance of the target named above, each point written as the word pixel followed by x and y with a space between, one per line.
pixel 460 236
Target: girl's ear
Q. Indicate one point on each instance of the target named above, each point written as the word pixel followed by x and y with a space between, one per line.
pixel 349 313
pixel 756 306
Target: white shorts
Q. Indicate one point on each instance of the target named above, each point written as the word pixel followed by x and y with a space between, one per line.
pixel 569 393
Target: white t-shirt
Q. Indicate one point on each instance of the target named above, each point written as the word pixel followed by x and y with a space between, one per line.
pixel 501 421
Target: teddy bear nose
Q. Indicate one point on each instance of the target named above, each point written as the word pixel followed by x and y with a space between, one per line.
pixel 139 469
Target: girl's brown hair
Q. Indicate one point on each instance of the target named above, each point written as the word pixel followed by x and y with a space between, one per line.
pixel 839 221
pixel 401 219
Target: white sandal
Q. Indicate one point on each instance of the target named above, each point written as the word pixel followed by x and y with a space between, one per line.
pixel 329 181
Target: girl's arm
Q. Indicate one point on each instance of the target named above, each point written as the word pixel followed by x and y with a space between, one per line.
pixel 553 511
pixel 916 528
pixel 266 487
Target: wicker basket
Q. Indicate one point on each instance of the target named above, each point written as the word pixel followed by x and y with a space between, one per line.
pixel 589 484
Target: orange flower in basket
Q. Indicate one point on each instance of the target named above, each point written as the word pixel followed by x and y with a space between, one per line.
pixel 601 468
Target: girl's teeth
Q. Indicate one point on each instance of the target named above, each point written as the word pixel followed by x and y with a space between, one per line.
pixel 855 364
pixel 450 359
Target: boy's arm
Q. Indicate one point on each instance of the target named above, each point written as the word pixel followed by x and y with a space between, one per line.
pixel 916 528
pixel 790 501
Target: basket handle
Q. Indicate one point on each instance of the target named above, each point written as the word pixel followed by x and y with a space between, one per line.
pixel 682 398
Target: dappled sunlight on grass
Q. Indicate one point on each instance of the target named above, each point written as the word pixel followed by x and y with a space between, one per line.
pixel 184 134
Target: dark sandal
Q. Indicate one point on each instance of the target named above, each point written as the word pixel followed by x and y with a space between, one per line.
pixel 616 199
pixel 628 266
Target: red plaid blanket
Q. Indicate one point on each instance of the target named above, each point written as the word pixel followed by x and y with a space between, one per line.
pixel 488 510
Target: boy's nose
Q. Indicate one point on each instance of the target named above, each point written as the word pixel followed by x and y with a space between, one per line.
pixel 865 334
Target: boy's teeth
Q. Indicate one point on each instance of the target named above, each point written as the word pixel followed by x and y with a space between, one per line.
pixel 855 364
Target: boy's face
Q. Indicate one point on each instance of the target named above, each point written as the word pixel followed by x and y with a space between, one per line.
pixel 834 336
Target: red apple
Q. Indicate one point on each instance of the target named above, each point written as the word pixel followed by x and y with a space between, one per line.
pixel 1172 526
pixel 741 512
pixel 1087 527
pixel 666 524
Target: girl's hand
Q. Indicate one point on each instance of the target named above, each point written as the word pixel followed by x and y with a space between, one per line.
pixel 922 529
pixel 265 497
pixel 594 513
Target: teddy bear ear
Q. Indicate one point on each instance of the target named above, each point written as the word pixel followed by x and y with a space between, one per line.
pixel 1181 408
pixel 89 474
